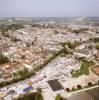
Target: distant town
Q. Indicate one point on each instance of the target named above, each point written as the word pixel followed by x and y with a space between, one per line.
pixel 49 58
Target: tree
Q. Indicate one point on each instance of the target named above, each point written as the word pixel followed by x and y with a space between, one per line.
pixel 79 86
pixel 3 59
pixel 59 97
pixel 97 46
pixel 89 84
pixel 67 89
pixel 96 39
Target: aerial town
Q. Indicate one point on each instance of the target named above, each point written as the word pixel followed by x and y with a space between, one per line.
pixel 49 59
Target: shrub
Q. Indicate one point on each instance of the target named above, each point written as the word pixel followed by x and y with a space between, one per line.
pixel 59 97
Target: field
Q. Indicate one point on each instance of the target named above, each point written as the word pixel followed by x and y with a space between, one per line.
pixel 84 70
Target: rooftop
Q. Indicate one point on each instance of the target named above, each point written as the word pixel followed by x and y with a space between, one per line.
pixel 55 85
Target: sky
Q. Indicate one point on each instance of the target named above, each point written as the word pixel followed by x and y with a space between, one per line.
pixel 49 8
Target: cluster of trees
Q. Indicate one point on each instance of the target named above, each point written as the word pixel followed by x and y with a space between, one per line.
pixel 79 30
pixel 21 78
pixel 42 26
pixel 96 39
pixel 11 27
pixel 14 39
pixel 3 59
pixel 21 73
pixel 4 28
pixel 31 96
pixel 71 45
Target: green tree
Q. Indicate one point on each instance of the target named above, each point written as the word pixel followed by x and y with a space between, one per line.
pixel 96 39
pixel 97 46
pixel 59 97
pixel 3 59
pixel 31 96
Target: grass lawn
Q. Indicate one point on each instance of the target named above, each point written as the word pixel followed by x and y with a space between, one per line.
pixel 84 70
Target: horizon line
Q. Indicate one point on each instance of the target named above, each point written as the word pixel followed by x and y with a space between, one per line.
pixel 52 17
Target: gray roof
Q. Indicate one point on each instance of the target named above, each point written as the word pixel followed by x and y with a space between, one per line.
pixel 55 85
pixel 83 51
